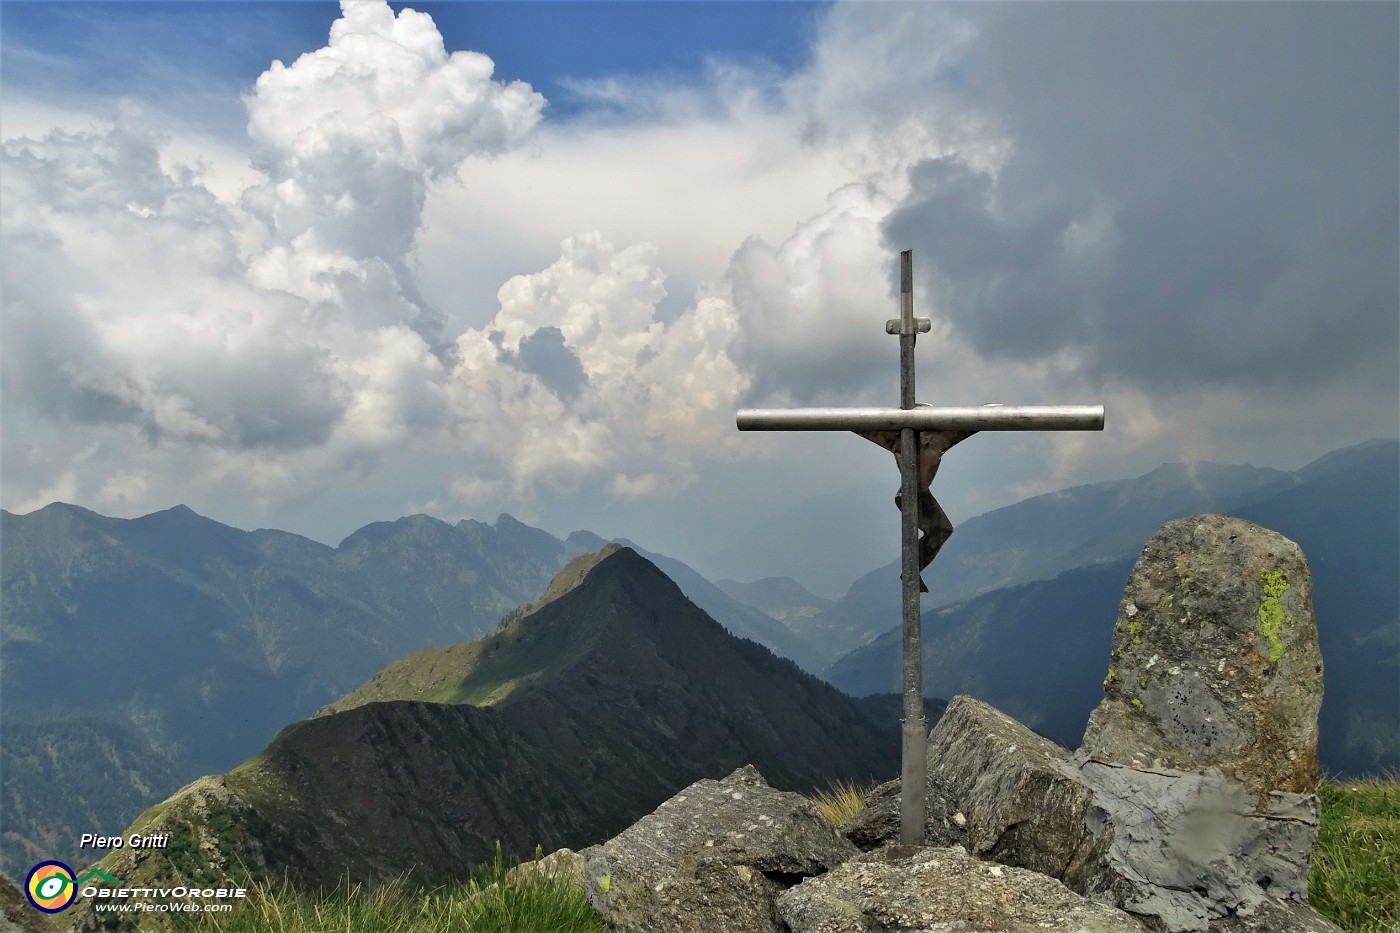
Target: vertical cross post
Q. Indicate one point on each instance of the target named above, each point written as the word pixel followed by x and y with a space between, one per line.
pixel 915 734
pixel 910 420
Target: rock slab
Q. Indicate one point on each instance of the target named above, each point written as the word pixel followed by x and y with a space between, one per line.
pixel 903 888
pixel 1215 659
pixel 712 859
pixel 1181 851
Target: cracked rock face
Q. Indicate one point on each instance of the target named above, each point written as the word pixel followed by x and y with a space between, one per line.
pixel 1215 659
pixel 902 888
pixel 1181 851
pixel 711 859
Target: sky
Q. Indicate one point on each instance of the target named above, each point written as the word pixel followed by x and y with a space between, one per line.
pixel 308 266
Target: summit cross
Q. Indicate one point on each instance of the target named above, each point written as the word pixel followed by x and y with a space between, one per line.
pixel 910 421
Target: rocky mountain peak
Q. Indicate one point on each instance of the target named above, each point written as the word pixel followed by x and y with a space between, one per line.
pixel 573 574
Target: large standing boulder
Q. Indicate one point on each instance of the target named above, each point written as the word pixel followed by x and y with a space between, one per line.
pixel 1215 659
pixel 903 888
pixel 712 859
pixel 1180 851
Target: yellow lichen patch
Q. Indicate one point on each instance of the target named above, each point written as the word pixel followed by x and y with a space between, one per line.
pixel 1272 618
pixel 1135 630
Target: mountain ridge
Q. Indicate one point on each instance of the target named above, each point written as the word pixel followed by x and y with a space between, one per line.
pixel 222 636
pixel 644 694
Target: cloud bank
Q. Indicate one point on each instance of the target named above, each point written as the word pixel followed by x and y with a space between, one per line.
pixel 282 337
pixel 432 296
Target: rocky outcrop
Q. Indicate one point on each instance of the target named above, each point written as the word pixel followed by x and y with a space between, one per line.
pixel 1178 849
pixel 712 858
pixel 1166 820
pixel 903 888
pixel 1215 659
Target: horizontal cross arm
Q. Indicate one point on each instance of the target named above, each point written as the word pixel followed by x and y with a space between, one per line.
pixel 983 418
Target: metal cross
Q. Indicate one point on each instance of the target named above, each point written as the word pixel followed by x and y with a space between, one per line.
pixel 909 421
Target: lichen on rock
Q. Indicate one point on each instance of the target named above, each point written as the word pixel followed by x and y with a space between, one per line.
pixel 1215 659
pixel 1272 618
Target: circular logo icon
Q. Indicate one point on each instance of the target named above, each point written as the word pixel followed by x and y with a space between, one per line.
pixel 50 887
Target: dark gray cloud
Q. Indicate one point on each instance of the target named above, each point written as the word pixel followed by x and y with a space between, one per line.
pixel 544 355
pixel 1196 194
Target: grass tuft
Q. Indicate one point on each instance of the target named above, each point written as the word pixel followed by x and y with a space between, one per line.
pixel 841 801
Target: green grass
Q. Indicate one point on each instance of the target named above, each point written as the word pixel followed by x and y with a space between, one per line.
pixel 493 901
pixel 1355 879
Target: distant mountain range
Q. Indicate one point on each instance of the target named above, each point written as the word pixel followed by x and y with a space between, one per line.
pixel 138 654
pixel 1038 649
pixel 179 635
pixel 574 717
pixel 1038 539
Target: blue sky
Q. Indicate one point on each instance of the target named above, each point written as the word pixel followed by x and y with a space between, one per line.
pixel 136 48
pixel 530 257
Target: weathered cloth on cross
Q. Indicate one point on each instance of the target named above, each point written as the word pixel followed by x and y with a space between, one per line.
pixel 934 526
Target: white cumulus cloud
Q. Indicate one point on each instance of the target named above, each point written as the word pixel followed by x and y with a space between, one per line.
pixel 648 394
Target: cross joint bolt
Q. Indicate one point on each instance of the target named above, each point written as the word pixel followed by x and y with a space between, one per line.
pixel 921 325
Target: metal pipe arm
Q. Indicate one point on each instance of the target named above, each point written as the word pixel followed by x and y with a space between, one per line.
pixel 980 418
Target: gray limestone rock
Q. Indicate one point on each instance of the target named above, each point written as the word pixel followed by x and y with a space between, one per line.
pixel 1023 803
pixel 1189 851
pixel 712 859
pixel 1181 851
pixel 904 888
pixel 1215 659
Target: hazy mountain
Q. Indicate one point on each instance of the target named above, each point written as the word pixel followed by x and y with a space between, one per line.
pixel 209 638
pixel 1038 650
pixel 886 710
pixel 598 702
pixel 202 640
pixel 783 598
pixel 83 768
pixel 1041 537
pixel 1343 513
